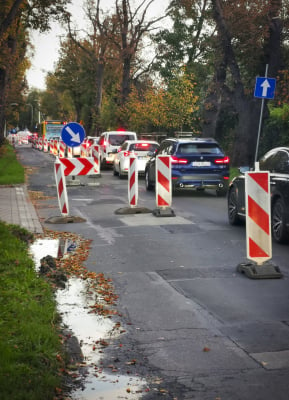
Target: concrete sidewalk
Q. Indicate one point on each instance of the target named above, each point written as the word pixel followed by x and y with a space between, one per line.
pixel 16 208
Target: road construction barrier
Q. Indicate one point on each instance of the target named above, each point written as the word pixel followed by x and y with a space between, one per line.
pixel 70 167
pixel 258 216
pixel 55 147
pixel 69 152
pixel 133 181
pixel 45 145
pixel 78 166
pixel 83 149
pixel 163 182
pixel 94 152
pixel 61 149
pixel 61 188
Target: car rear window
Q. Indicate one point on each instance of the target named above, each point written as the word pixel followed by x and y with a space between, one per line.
pixel 118 139
pixel 143 147
pixel 198 148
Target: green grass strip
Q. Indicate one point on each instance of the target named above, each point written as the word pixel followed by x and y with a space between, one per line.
pixel 30 346
pixel 11 171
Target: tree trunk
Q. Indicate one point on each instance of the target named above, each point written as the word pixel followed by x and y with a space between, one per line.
pixel 213 101
pixel 3 81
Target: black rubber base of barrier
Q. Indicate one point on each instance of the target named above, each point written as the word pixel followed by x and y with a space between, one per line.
pixel 64 220
pixel 164 212
pixel 264 271
pixel 132 210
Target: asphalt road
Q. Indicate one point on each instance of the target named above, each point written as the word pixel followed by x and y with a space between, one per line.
pixel 208 331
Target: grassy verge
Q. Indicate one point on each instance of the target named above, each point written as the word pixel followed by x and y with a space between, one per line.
pixel 30 345
pixel 31 365
pixel 11 171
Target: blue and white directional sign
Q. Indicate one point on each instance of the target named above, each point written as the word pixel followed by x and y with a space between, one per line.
pixel 265 88
pixel 73 134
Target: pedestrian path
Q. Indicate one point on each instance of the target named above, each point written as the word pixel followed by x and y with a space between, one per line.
pixel 16 208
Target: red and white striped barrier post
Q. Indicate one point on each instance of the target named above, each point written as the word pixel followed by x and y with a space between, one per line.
pixel 51 145
pixel 45 145
pixel 258 216
pixel 55 147
pixel 96 156
pixel 258 227
pixel 61 149
pixel 61 188
pixel 83 149
pixel 132 181
pixel 163 187
pixel 69 152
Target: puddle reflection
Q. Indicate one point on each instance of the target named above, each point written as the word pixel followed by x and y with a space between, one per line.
pixel 73 305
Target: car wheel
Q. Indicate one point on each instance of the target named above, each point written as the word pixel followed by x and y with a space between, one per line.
pixel 233 216
pixel 121 175
pixel 148 184
pixel 279 231
pixel 115 173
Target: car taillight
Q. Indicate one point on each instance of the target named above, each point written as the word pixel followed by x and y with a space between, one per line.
pixel 127 153
pixel 177 160
pixel 224 160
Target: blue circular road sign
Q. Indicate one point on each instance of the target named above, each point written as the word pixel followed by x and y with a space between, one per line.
pixel 73 134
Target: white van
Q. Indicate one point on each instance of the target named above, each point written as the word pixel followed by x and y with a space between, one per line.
pixel 110 142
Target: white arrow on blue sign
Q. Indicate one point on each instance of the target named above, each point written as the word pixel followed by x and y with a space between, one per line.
pixel 265 88
pixel 73 134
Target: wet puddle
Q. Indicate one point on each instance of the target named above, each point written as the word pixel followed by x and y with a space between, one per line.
pixel 73 305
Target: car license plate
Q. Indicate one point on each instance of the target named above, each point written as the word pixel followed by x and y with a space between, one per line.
pixel 201 163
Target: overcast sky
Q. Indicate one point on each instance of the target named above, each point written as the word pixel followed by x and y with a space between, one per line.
pixel 47 45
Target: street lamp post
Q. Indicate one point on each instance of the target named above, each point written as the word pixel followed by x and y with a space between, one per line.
pixel 30 105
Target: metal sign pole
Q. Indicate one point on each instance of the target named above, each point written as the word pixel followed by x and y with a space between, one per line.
pixel 260 122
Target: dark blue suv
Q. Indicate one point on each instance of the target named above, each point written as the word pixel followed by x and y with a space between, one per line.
pixel 197 163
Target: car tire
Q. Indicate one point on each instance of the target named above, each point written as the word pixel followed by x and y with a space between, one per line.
pixel 121 175
pixel 115 173
pixel 233 216
pixel 148 184
pixel 279 230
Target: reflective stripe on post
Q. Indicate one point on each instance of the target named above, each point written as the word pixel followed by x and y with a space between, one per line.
pixel 61 188
pixel 132 182
pixel 163 181
pixel 258 216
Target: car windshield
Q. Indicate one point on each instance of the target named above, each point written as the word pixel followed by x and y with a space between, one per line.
pixel 118 139
pixel 199 148
pixel 143 147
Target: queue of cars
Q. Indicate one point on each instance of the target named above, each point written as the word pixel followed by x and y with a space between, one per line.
pixel 200 164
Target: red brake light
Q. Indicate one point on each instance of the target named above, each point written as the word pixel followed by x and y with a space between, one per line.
pixel 127 153
pixel 224 160
pixel 177 160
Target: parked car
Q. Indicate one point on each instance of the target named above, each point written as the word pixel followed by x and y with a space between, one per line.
pixel 140 148
pixel 110 142
pixel 276 161
pixel 197 163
